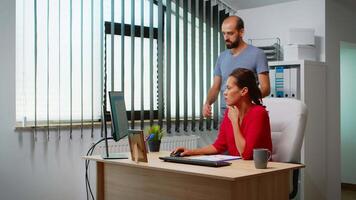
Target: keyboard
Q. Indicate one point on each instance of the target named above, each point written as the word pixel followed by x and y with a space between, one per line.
pixel 190 161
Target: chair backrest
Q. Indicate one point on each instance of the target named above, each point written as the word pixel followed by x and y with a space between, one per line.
pixel 288 119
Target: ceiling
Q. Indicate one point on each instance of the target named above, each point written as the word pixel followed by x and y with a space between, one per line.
pixel 245 4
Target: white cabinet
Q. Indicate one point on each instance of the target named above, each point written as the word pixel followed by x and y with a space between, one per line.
pixel 306 80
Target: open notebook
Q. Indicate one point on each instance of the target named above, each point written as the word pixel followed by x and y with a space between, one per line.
pixel 218 157
pixel 206 160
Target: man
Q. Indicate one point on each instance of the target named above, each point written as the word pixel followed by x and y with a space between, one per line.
pixel 238 54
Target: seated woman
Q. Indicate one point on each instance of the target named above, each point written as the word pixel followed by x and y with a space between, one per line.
pixel 245 125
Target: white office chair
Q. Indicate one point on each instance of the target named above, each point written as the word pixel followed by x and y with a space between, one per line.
pixel 288 119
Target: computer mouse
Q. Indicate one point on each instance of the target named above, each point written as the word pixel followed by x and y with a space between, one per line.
pixel 177 153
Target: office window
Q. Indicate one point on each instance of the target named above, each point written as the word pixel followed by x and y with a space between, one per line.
pixel 63 51
pixel 64 81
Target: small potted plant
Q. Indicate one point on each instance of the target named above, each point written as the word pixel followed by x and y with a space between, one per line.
pixel 154 135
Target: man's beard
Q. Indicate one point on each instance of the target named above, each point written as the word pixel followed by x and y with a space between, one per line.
pixel 233 44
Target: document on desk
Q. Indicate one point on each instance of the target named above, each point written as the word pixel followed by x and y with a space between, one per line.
pixel 218 157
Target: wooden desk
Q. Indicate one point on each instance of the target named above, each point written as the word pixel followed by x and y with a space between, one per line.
pixel 125 179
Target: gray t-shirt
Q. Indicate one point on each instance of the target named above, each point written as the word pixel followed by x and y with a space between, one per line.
pixel 251 58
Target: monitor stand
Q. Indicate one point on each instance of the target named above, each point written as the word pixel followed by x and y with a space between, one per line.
pixel 115 156
pixel 111 155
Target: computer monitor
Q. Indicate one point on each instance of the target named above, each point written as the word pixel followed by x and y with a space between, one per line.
pixel 119 123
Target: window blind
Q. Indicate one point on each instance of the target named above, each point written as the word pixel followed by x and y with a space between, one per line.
pixel 161 53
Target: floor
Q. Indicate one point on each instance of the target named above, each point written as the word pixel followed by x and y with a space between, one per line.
pixel 348 194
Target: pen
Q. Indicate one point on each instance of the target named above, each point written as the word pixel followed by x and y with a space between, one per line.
pixel 150 136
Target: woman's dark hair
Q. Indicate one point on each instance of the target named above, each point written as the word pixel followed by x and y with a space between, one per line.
pixel 246 78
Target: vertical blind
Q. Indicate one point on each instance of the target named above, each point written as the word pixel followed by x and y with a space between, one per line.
pixel 161 53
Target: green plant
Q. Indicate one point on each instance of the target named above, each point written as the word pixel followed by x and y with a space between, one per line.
pixel 154 133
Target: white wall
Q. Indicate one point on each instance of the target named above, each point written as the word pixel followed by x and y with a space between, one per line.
pixel 348 112
pixel 276 20
pixel 340 26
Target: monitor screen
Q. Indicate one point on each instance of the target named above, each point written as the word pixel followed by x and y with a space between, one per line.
pixel 119 123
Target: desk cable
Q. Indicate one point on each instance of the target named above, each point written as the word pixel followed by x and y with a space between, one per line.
pixel 87 183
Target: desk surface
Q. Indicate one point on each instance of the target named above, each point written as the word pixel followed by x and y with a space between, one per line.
pixel 238 168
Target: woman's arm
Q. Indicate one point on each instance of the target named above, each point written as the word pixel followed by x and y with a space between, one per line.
pixel 258 132
pixel 220 144
pixel 240 141
pixel 210 149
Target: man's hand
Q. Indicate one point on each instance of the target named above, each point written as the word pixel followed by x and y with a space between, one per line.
pixel 212 95
pixel 207 110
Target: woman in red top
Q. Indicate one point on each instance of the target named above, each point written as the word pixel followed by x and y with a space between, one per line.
pixel 246 123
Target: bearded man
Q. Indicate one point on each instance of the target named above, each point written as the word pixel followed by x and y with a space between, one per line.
pixel 239 54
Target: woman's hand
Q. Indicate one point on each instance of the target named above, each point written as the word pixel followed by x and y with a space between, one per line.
pixel 184 151
pixel 233 114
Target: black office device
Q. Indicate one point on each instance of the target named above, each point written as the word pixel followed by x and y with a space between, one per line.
pixel 119 122
pixel 177 153
pixel 192 161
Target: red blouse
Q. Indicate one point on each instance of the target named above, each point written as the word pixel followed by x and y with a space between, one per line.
pixel 255 128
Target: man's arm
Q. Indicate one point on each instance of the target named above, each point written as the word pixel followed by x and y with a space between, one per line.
pixel 212 95
pixel 263 79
